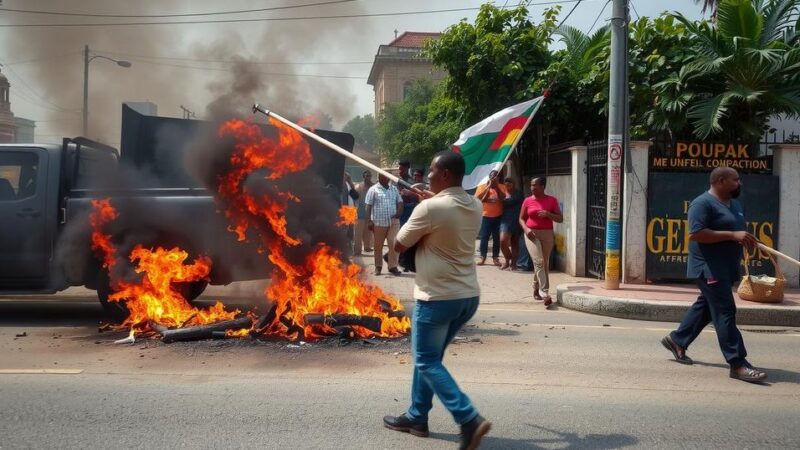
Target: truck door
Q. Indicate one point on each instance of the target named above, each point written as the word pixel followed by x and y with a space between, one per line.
pixel 24 244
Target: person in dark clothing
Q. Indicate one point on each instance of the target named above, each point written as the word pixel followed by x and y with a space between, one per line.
pixel 717 235
pixel 510 230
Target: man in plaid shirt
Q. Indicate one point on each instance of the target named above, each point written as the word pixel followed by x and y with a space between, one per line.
pixel 384 208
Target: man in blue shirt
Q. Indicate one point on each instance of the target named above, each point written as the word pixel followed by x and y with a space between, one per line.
pixel 717 235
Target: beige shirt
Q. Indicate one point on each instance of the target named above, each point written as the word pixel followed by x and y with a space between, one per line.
pixel 445 227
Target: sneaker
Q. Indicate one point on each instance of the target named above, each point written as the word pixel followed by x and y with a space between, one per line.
pixel 394 271
pixel 406 425
pixel 473 431
pixel 377 271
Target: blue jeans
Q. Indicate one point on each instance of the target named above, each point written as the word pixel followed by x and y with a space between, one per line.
pixel 434 325
pixel 490 226
pixel 714 305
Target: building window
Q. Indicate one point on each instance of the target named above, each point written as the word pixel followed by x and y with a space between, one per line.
pixel 406 89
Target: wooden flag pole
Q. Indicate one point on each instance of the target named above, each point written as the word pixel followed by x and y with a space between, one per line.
pixel 338 149
pixel 777 253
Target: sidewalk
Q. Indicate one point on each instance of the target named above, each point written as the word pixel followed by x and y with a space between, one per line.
pixel 666 303
pixel 669 302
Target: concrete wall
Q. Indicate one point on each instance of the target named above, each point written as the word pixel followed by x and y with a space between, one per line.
pixel 634 218
pixel 787 167
pixel 560 187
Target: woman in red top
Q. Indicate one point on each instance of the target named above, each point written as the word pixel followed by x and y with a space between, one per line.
pixel 536 217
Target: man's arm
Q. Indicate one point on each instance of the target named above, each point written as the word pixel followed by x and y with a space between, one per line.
pixel 418 225
pixel 398 209
pixel 482 192
pixel 699 231
pixel 709 236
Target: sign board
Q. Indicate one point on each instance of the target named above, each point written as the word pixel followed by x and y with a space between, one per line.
pixel 689 156
pixel 669 196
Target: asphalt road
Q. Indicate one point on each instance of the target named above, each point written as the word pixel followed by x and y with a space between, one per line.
pixel 546 379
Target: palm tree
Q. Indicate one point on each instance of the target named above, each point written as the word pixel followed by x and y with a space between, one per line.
pixel 747 68
pixel 710 5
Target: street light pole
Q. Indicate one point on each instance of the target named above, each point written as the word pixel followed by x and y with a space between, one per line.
pixel 85 91
pixel 86 61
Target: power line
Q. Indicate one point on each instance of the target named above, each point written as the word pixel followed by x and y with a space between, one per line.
pixel 155 16
pixel 224 69
pixel 231 61
pixel 266 19
pixel 21 80
pixel 598 17
pixel 634 10
pixel 570 13
pixel 40 58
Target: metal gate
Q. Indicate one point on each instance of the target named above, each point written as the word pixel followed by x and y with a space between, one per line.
pixel 596 174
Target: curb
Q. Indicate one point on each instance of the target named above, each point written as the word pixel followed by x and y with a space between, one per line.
pixel 653 310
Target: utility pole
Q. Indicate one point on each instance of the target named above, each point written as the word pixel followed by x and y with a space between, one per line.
pixel 617 143
pixel 187 113
pixel 85 91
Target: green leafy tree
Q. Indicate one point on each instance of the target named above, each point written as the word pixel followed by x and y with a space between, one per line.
pixel 657 49
pixel 363 130
pixel 494 62
pixel 747 67
pixel 424 123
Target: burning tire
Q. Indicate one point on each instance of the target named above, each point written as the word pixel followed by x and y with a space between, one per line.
pixel 116 311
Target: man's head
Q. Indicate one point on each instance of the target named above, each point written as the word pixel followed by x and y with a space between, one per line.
pixel 725 182
pixel 383 180
pixel 418 175
pixel 538 185
pixel 403 167
pixel 447 170
pixel 366 176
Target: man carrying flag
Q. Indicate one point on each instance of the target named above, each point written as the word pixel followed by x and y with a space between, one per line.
pixel 487 145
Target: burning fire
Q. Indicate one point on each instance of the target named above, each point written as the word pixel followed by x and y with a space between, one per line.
pixel 102 214
pixel 324 283
pixel 348 214
pixel 155 297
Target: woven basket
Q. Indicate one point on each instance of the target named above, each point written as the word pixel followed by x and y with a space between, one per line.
pixel 754 289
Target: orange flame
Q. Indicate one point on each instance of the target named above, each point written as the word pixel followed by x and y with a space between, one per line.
pixel 323 283
pixel 348 214
pixel 156 297
pixel 102 214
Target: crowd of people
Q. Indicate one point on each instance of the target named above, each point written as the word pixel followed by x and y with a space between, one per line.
pixel 436 226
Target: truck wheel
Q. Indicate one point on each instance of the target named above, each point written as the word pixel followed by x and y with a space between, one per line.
pixel 115 311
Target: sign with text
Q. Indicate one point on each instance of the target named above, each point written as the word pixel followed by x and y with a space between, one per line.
pixel 705 156
pixel 669 196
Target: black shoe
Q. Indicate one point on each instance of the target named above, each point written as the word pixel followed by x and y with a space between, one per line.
pixel 377 271
pixel 406 425
pixel 394 271
pixel 473 431
pixel 678 352
pixel 749 374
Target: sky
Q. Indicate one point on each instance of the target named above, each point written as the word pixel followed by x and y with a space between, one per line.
pixel 297 67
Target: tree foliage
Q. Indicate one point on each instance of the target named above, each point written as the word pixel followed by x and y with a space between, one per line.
pixel 720 78
pixel 364 131
pixel 423 124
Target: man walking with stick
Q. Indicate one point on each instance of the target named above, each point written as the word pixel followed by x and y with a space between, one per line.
pixel 717 235
pixel 447 293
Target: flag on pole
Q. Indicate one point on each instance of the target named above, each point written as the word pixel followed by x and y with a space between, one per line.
pixel 487 145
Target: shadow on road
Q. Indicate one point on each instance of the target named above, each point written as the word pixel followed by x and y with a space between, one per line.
pixel 559 439
pixel 50 313
pixel 774 375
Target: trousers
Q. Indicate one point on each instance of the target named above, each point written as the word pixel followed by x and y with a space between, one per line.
pixel 434 324
pixel 715 304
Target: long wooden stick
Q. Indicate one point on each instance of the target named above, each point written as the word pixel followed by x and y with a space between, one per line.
pixel 779 254
pixel 332 146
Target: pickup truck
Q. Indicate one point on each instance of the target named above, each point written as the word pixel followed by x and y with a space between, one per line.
pixel 45 199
